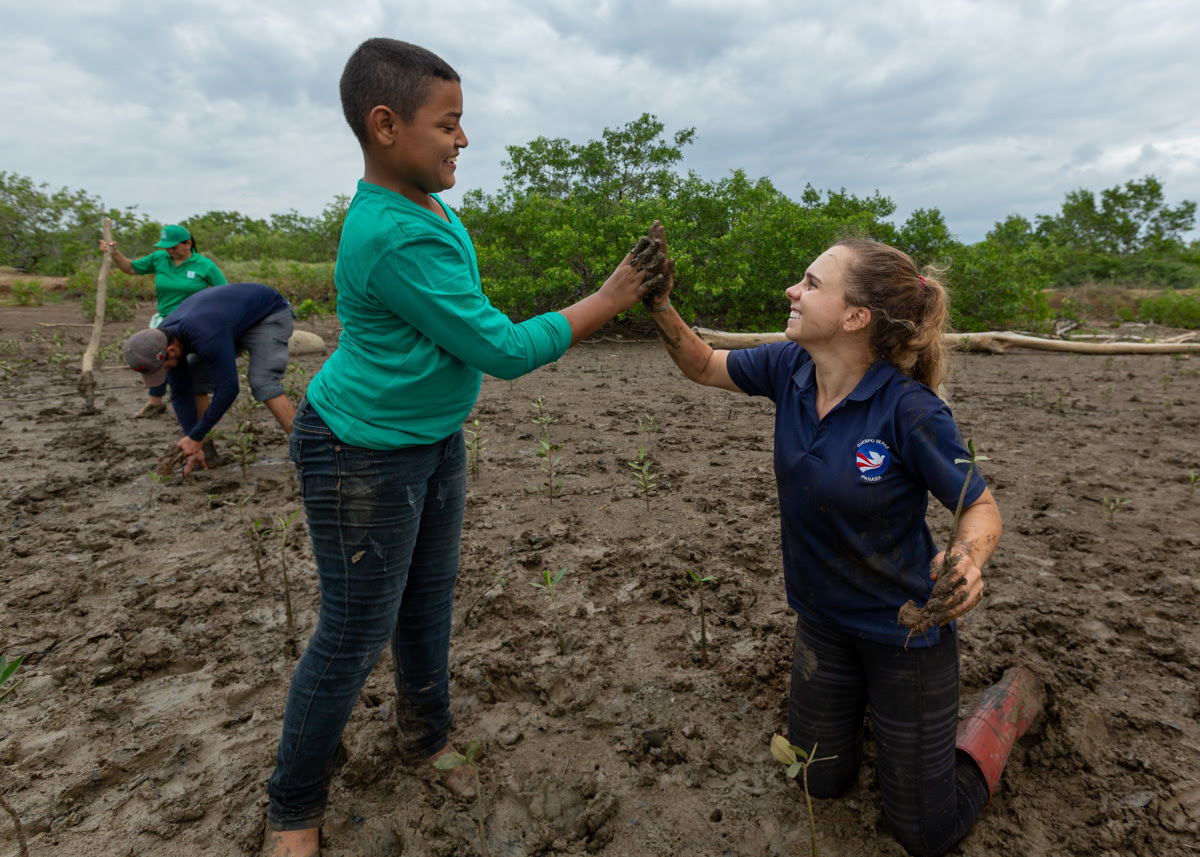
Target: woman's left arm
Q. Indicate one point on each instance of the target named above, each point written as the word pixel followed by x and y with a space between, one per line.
pixel 978 534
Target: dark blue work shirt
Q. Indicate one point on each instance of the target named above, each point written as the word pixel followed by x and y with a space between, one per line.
pixel 854 487
pixel 209 324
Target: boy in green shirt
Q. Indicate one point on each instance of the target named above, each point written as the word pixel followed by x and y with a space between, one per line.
pixel 378 442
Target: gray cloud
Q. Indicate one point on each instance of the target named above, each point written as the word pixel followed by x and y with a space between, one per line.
pixel 978 107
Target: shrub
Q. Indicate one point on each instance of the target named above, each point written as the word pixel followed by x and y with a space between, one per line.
pixel 1174 309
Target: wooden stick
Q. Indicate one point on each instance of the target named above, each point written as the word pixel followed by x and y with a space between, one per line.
pixel 87 384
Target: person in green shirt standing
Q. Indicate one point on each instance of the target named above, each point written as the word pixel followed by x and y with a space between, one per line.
pixel 179 271
pixel 378 442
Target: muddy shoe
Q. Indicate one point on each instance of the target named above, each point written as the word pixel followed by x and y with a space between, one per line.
pixel 150 410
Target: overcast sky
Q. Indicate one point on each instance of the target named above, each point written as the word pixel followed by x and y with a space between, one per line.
pixel 980 108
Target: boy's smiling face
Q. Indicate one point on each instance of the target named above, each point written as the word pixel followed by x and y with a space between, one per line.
pixel 419 158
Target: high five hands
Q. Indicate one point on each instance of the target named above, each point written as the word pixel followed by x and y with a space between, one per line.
pixel 650 255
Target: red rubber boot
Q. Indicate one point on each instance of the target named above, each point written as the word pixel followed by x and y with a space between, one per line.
pixel 1004 713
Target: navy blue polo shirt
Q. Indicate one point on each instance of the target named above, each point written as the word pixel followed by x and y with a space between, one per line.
pixel 209 324
pixel 854 488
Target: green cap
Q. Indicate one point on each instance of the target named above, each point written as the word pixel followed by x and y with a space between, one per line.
pixel 172 235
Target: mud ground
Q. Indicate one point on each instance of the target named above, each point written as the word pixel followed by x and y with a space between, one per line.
pixel 158 659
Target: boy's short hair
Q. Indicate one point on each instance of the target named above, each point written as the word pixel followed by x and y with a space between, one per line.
pixel 395 74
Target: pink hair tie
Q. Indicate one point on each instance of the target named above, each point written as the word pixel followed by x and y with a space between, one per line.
pixel 922 279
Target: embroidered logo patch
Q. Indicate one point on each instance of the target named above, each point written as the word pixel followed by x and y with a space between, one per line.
pixel 872 459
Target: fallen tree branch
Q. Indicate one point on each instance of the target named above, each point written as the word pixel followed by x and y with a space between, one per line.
pixel 993 342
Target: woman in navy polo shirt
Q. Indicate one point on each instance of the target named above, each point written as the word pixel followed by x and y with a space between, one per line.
pixel 861 440
pixel 179 272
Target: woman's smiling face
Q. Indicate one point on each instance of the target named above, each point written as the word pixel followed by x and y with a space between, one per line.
pixel 819 308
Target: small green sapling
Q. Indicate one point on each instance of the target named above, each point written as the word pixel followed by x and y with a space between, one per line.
pixel 548 583
pixel 1112 505
pixel 700 581
pixel 451 760
pixel 8 683
pixel 797 761
pixel 547 449
pixel 644 475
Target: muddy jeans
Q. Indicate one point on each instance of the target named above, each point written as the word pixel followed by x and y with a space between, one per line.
pixel 932 794
pixel 385 527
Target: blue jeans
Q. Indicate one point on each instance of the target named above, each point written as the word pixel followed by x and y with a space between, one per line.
pixel 386 527
pixel 932 793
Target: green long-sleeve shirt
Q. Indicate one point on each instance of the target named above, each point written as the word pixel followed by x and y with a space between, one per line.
pixel 417 329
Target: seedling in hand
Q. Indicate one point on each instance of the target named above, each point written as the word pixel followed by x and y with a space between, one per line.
pixel 644 475
pixel 550 581
pixel 450 761
pixel 700 581
pixel 1112 505
pixel 798 761
pixel 944 597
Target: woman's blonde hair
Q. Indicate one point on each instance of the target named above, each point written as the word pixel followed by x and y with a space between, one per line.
pixel 908 308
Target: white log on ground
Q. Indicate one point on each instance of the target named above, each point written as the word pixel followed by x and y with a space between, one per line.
pixel 994 342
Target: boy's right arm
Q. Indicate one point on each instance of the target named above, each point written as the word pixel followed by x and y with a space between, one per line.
pixel 620 292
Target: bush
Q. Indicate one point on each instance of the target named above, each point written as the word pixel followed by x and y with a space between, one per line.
pixel 297 281
pixel 1172 309
pixel 995 289
pixel 30 293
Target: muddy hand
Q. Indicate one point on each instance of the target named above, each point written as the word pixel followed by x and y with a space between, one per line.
pixel 957 588
pixel 646 256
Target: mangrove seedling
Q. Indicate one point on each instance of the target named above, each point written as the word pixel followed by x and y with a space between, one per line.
pixel 700 581
pixel 548 583
pixel 1192 478
pixel 156 479
pixel 1112 505
pixel 647 426
pixel 243 444
pixel 644 475
pixel 8 670
pixel 287 586
pixel 475 442
pixel 450 761
pixel 255 533
pixel 944 596
pixel 797 762
pixel 547 449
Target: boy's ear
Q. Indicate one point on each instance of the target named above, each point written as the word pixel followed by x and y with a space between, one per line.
pixel 382 125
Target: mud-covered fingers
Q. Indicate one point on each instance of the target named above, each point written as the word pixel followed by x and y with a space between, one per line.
pixel 970 599
pixel 661 285
pixel 643 252
pixel 658 235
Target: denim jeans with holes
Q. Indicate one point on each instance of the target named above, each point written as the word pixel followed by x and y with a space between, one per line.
pixel 385 527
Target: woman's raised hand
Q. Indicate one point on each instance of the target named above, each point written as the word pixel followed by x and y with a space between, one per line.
pixel 650 255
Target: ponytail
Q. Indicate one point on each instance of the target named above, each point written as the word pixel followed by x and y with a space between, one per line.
pixel 908 308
